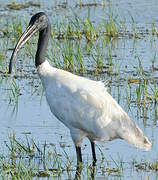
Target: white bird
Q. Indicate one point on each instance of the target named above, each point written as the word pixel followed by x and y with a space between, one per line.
pixel 83 105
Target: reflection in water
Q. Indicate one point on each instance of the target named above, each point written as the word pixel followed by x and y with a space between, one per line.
pixel 78 172
pixel 80 168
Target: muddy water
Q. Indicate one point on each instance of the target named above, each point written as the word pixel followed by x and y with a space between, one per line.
pixel 32 115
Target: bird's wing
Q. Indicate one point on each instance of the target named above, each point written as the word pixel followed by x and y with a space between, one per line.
pixel 84 104
pixel 97 109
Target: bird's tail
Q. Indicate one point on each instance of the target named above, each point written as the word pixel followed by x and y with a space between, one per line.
pixel 133 134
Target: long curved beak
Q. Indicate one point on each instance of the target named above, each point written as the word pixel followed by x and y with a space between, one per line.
pixel 31 29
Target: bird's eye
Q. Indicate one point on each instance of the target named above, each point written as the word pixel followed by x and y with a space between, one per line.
pixel 40 20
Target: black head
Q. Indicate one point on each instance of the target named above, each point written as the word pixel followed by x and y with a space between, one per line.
pixel 40 20
pixel 37 23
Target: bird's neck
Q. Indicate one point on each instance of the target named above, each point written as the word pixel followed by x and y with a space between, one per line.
pixel 42 45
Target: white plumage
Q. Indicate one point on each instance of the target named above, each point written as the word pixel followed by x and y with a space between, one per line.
pixel 83 105
pixel 87 109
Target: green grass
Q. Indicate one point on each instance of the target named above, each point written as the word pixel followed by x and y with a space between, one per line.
pixel 69 36
pixel 18 6
pixel 85 47
pixel 26 159
pixel 97 49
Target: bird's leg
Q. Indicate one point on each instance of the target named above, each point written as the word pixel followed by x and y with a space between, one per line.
pixel 93 172
pixel 79 162
pixel 79 154
pixel 93 153
pixel 78 172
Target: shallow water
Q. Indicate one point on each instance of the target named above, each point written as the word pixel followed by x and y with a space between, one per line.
pixel 33 116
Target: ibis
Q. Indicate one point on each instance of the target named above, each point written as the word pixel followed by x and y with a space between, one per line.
pixel 81 104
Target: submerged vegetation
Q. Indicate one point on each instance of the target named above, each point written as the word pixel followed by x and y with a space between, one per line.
pixel 25 159
pixel 16 6
pixel 101 45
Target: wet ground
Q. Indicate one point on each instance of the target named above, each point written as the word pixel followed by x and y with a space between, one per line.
pixel 134 72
